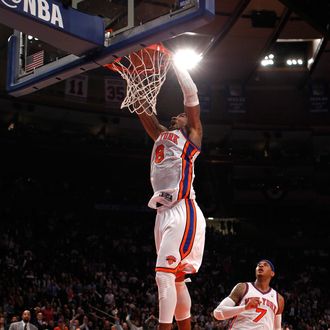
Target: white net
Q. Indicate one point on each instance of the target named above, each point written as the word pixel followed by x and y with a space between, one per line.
pixel 145 72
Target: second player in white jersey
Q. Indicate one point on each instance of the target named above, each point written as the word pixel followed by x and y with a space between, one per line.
pixel 261 317
pixel 172 168
pixel 253 306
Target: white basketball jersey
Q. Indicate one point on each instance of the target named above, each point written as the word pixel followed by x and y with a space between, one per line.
pixel 172 168
pixel 262 317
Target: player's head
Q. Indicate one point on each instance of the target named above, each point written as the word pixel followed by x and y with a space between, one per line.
pixel 179 121
pixel 265 269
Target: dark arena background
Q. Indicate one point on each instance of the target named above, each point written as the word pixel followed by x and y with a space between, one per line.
pixel 76 235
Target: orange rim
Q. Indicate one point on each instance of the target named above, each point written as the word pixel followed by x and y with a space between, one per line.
pixel 114 66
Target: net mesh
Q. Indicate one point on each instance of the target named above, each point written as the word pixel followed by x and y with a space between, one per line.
pixel 145 72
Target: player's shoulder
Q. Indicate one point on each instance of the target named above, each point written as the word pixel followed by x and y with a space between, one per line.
pixel 240 289
pixel 241 285
pixel 280 298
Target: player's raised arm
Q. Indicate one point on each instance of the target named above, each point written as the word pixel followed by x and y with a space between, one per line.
pixel 191 104
pixel 150 123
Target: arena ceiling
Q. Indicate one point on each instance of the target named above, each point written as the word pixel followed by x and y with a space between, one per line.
pixel 243 32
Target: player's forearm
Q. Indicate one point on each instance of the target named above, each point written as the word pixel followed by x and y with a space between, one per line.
pixel 188 87
pixel 227 309
pixel 224 312
pixel 278 322
pixel 151 125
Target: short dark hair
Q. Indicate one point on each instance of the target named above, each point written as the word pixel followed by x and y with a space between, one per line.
pixel 269 263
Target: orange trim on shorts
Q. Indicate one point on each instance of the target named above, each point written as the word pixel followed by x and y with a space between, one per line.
pixel 167 270
pixel 186 229
pixel 194 230
pixel 189 217
pixel 177 271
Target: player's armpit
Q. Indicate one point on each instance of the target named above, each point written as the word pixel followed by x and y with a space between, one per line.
pixel 238 292
pixel 278 322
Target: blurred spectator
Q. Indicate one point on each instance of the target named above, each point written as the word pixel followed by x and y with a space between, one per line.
pixel 24 324
pixel 40 323
pixel 61 325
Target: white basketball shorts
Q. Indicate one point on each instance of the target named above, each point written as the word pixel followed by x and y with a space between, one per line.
pixel 180 237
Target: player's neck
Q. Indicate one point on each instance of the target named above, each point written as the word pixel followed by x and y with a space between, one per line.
pixel 262 284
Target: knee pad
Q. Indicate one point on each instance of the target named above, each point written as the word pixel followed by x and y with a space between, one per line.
pixel 165 283
pixel 166 295
pixel 183 305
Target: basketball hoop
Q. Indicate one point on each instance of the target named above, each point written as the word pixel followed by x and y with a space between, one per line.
pixel 145 72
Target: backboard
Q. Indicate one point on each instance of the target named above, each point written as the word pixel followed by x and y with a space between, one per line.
pixel 39 57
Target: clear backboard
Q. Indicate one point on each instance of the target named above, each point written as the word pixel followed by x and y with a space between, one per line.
pixel 59 42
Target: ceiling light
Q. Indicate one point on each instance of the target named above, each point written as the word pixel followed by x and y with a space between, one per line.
pixel 186 58
pixel 267 62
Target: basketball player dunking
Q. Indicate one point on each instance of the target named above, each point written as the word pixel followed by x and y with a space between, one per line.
pixel 253 305
pixel 180 224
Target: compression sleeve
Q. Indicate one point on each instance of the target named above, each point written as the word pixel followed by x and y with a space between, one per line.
pixel 227 309
pixel 187 85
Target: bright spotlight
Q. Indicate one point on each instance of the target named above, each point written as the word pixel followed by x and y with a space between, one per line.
pixel 271 56
pixel 300 61
pixel 30 37
pixel 186 58
pixel 289 62
pixel 264 62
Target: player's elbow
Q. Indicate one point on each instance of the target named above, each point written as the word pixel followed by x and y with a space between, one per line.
pixel 218 315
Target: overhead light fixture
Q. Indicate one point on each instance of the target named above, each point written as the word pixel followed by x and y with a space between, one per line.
pixel 288 53
pixel 186 58
pixel 268 60
pixel 294 62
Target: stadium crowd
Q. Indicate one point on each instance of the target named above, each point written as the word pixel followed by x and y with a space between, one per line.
pixel 78 259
